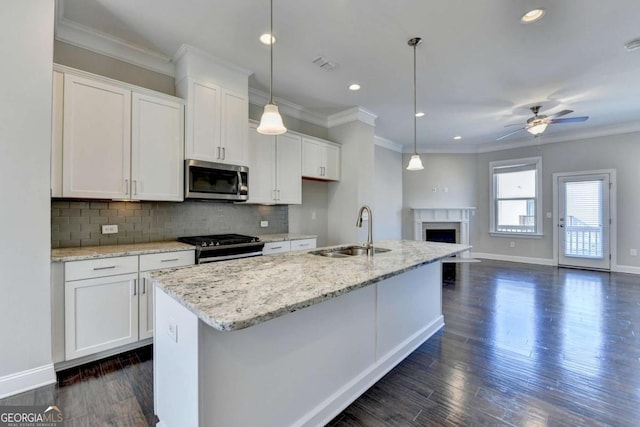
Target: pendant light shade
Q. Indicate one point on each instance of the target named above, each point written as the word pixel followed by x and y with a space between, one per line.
pixel 271 121
pixel 415 164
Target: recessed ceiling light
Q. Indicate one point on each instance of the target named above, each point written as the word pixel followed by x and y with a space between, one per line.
pixel 532 16
pixel 457 137
pixel 633 44
pixel 354 86
pixel 420 114
pixel 267 39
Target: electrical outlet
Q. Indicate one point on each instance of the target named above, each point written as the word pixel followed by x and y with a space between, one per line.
pixel 264 224
pixel 314 215
pixel 110 229
pixel 434 189
pixel 548 214
pixel 172 330
pixel 512 244
pixel 633 252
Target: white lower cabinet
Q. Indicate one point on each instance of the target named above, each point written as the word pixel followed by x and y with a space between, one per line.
pixel 108 302
pixel 283 246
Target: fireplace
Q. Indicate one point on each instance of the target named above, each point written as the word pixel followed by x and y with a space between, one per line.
pixel 448 225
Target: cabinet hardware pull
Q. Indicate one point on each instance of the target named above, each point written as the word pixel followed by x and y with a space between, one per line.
pixel 302 245
pixel 126 186
pixel 276 247
pixel 144 285
pixel 135 287
pixel 218 153
pixel 135 187
pixel 104 268
pixel 278 194
pixel 224 153
pixel 169 260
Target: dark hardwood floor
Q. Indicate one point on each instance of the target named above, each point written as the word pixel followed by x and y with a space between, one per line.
pixel 523 345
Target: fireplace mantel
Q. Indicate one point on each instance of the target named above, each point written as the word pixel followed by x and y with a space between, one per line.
pixel 460 216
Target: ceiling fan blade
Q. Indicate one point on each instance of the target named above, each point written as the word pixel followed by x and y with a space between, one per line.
pixel 515 124
pixel 509 134
pixel 570 120
pixel 560 114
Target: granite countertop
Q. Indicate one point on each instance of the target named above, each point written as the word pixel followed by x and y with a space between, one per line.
pixel 110 251
pixel 237 294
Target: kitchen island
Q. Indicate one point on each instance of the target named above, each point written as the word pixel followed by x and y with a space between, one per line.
pixel 289 339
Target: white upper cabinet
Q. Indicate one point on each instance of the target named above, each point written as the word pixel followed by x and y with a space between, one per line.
pixel 320 159
pixel 156 149
pixel 275 169
pixel 117 141
pixel 96 139
pixel 217 95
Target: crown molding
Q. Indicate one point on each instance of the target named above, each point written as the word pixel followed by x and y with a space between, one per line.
pixel 185 49
pixel 388 144
pixel 84 37
pixel 351 115
pixel 260 98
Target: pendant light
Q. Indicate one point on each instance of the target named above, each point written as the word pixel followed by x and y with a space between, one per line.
pixel 271 121
pixel 415 164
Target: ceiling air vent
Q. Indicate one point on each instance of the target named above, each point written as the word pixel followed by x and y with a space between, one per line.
pixel 324 63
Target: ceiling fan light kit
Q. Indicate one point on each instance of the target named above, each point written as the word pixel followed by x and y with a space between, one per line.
pixel 415 163
pixel 271 120
pixel 537 124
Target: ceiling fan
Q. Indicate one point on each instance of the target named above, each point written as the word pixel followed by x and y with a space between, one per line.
pixel 537 124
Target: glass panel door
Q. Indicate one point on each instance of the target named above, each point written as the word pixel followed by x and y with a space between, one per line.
pixel 584 221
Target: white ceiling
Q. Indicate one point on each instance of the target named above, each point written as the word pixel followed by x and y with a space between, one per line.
pixel 479 68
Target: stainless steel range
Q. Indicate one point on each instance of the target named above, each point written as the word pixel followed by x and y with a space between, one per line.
pixel 220 247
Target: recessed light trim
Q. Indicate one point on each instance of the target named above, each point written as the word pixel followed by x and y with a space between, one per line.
pixel 420 114
pixel 532 16
pixel 457 137
pixel 354 86
pixel 267 39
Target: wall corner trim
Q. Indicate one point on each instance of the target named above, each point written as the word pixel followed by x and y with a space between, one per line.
pixel 27 380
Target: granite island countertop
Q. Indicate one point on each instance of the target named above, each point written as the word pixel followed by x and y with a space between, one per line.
pixel 237 294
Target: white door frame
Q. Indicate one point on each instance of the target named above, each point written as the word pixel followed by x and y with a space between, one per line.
pixel 613 212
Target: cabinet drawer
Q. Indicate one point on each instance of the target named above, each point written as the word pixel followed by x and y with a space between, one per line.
pixel 88 269
pixel 302 244
pixel 162 260
pixel 276 247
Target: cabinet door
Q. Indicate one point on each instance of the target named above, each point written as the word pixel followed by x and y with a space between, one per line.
pixel 289 169
pixel 203 122
pixel 311 158
pixel 331 162
pixel 235 113
pixel 96 139
pixel 156 149
pixel 100 314
pixel 145 306
pixel 262 166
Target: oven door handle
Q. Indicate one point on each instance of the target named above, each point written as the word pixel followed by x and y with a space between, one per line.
pixel 242 187
pixel 202 260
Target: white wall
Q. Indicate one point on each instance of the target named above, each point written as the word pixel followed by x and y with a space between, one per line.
pixel 311 217
pixel 619 152
pixel 452 176
pixel 355 187
pixel 387 209
pixel 25 136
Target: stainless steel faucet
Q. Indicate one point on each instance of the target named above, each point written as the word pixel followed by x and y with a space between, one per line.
pixel 369 244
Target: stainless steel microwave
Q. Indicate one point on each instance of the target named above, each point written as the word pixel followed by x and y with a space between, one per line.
pixel 215 181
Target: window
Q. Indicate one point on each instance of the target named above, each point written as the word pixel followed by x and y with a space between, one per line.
pixel 516 207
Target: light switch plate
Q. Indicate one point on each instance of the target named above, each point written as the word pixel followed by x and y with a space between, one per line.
pixel 264 224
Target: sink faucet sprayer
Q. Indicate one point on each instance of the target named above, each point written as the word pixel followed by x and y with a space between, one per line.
pixel 369 244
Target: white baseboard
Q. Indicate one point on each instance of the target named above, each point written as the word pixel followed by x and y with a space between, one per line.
pixel 511 258
pixel 27 380
pixel 546 261
pixel 626 269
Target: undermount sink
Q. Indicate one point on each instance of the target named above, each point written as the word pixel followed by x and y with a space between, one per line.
pixel 348 252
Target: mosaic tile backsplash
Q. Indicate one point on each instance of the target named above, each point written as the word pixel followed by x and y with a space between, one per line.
pixel 79 223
